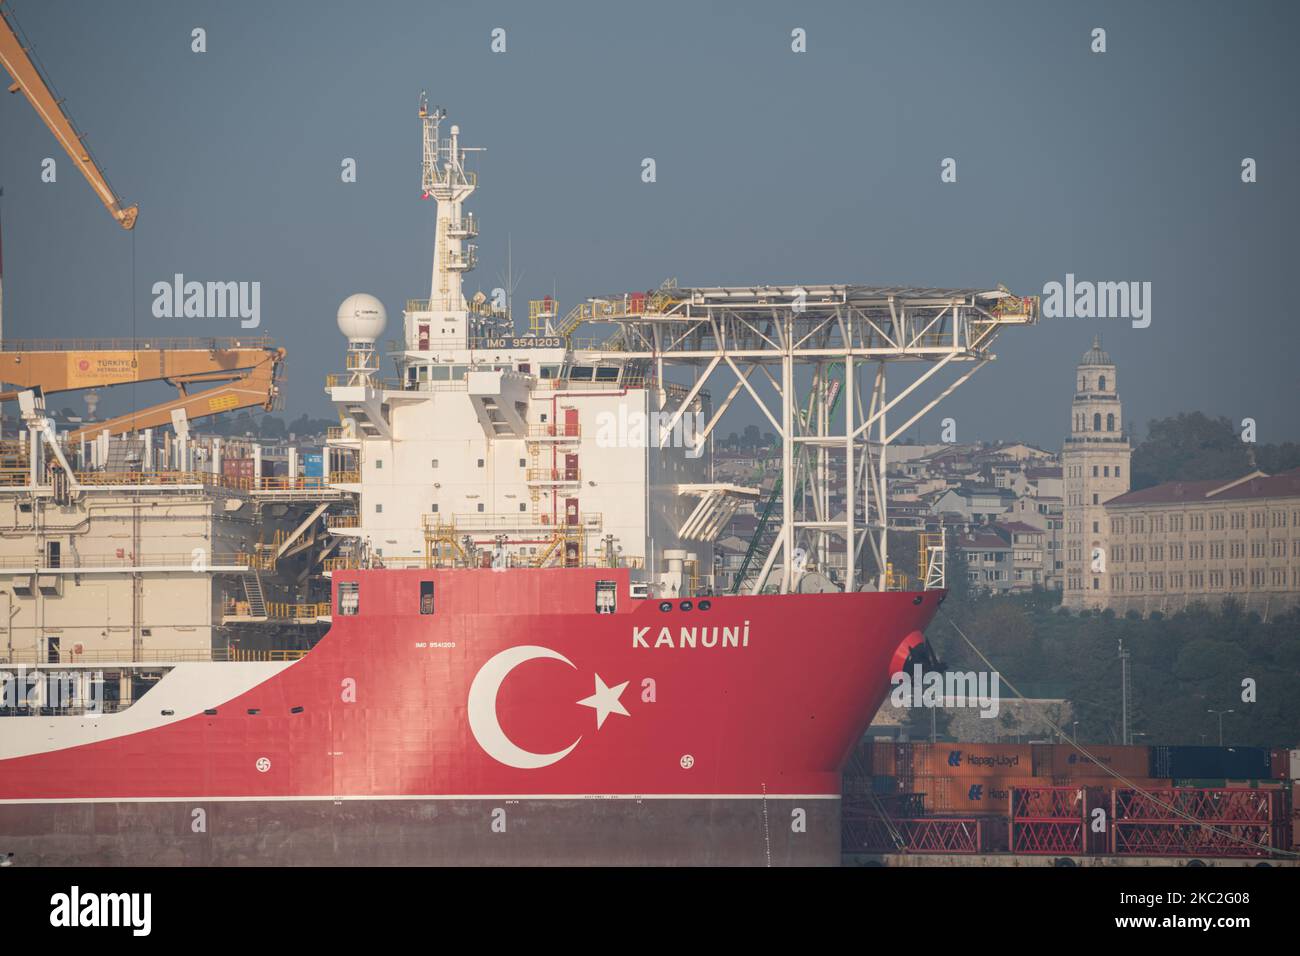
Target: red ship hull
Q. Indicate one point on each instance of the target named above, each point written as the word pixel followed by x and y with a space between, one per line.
pixel 512 724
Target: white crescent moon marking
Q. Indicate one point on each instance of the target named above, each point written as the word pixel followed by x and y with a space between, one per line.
pixel 483 720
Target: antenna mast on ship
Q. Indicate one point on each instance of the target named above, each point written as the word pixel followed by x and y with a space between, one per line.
pixel 446 180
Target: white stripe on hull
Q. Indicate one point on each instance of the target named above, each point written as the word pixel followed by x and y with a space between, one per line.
pixel 185 690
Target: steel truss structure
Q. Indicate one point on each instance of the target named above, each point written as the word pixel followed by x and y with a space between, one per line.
pixel 1050 820
pixel 796 351
pixel 875 834
pixel 1224 822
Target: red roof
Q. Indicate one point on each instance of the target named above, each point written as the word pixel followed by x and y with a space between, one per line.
pixel 1019 527
pixel 1247 488
pixel 983 540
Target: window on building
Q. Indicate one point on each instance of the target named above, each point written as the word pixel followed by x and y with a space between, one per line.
pixel 1096 421
pixel 379 464
pixel 1110 422
pixel 379 508
pixel 480 506
pixel 434 508
pixel 1101 383
pixel 480 462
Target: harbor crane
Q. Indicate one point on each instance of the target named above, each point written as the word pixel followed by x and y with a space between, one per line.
pixel 27 78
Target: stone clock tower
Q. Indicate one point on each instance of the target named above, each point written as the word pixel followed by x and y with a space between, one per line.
pixel 1095 465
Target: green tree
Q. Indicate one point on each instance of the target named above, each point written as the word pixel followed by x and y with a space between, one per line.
pixel 1189 447
pixel 1278 458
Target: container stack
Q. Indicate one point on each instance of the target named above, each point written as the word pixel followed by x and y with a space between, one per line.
pixel 1044 796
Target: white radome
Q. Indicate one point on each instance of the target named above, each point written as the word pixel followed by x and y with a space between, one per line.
pixel 362 318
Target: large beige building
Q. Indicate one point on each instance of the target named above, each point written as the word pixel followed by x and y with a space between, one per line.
pixel 1095 467
pixel 1186 541
pixel 1172 545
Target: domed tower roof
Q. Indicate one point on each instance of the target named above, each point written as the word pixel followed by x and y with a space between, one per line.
pixel 1095 355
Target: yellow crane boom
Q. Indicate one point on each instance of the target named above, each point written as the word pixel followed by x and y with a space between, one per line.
pixel 244 374
pixel 27 78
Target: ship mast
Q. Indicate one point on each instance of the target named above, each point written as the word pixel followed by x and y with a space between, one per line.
pixel 446 180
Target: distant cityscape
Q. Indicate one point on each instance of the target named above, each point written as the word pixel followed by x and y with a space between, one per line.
pixel 1018 517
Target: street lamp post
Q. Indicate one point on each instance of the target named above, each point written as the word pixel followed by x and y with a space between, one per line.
pixel 1220 713
pixel 1123 690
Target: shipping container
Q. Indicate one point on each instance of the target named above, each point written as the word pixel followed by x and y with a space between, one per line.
pixel 1294 772
pixel 313 466
pixel 1220 783
pixel 979 794
pixel 868 758
pixel 1236 763
pixel 1279 760
pixel 1064 762
pixel 971 760
pixel 1295 814
pixel 237 467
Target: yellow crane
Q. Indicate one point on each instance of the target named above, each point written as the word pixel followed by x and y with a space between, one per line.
pixel 245 373
pixel 27 78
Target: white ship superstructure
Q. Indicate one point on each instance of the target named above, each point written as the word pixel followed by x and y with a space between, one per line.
pixel 515 450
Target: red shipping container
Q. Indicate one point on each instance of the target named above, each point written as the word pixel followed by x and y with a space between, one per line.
pixel 237 467
pixel 1280 763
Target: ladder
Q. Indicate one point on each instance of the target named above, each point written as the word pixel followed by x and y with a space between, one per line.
pixel 253 592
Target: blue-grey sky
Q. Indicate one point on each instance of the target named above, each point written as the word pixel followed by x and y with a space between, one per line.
pixel 773 167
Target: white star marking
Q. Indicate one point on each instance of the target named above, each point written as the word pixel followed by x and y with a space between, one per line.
pixel 606 701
